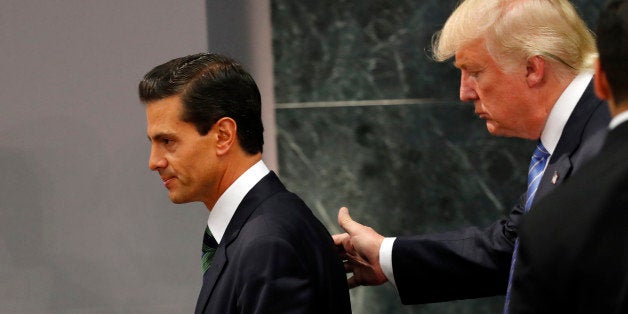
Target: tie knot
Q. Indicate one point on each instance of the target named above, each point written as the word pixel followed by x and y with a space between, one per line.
pixel 209 248
pixel 535 172
pixel 540 152
pixel 209 242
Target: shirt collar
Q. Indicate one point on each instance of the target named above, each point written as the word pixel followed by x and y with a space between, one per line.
pixel 562 110
pixel 618 119
pixel 228 202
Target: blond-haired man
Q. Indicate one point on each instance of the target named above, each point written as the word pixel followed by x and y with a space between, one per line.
pixel 526 66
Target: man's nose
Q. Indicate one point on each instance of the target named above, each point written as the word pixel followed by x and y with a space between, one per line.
pixel 156 161
pixel 467 92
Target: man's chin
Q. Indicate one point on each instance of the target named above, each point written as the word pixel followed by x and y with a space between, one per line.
pixel 178 199
pixel 492 128
pixel 495 131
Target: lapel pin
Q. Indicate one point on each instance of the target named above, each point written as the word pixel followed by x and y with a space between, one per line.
pixel 555 177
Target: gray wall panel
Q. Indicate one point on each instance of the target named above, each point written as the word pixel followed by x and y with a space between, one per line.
pixel 84 226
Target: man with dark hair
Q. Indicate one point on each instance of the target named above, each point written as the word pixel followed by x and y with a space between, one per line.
pixel 574 245
pixel 263 249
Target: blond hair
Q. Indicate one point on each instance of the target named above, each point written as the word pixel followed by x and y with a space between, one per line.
pixel 515 30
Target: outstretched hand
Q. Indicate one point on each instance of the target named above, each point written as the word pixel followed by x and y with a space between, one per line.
pixel 359 249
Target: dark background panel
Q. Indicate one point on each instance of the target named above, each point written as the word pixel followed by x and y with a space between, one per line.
pixel 426 166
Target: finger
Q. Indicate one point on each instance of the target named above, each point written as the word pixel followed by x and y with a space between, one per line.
pixel 347 246
pixel 352 282
pixel 339 238
pixel 348 267
pixel 346 223
pixel 344 255
pixel 341 242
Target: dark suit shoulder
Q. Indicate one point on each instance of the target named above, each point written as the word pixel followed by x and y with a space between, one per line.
pixel 285 213
pixel 578 209
pixel 576 241
pixel 285 254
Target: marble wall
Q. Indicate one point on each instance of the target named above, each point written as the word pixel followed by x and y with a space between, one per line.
pixel 366 119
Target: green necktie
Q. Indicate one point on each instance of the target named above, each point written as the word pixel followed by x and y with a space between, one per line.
pixel 209 248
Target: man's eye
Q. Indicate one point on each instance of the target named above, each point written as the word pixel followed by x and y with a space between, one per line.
pixel 167 141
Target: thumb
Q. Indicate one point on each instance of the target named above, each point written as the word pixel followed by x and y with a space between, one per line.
pixel 346 223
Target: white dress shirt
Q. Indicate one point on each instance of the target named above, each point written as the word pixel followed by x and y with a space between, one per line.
pixel 618 119
pixel 228 202
pixel 560 113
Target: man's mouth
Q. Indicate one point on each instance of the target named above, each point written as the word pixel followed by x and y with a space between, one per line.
pixel 482 115
pixel 167 181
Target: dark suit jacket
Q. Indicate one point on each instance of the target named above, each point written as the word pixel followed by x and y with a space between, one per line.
pixel 574 245
pixel 275 257
pixel 475 262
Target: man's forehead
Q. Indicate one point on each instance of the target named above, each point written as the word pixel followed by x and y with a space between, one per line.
pixel 471 54
pixel 167 108
pixel 464 61
pixel 163 115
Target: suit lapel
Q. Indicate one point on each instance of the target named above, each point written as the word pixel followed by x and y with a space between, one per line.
pixel 210 277
pixel 560 164
pixel 265 188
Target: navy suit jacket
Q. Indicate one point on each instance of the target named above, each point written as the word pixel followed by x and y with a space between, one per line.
pixel 573 254
pixel 474 262
pixel 275 257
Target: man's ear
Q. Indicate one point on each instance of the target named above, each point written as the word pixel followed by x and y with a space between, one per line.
pixel 535 71
pixel 600 82
pixel 227 134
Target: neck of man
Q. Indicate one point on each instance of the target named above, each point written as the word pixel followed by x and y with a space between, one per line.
pixel 618 108
pixel 552 88
pixel 234 165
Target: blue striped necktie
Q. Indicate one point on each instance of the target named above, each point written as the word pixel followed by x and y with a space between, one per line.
pixel 535 172
pixel 209 248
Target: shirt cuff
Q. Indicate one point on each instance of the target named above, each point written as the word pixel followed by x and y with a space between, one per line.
pixel 385 259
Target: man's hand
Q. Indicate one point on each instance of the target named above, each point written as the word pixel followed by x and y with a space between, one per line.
pixel 359 248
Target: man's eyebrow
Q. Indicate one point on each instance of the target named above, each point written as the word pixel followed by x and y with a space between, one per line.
pixel 468 66
pixel 459 65
pixel 159 136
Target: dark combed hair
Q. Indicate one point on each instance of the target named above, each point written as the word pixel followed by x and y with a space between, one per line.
pixel 211 87
pixel 612 42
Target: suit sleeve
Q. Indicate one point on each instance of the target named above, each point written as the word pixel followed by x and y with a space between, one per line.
pixel 468 263
pixel 274 279
pixel 475 262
